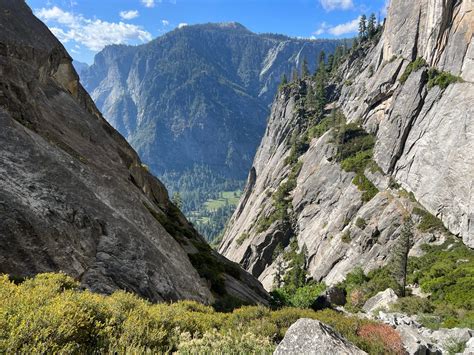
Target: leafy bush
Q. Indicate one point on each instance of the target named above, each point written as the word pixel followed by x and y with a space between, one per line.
pixel 385 335
pixel 366 186
pixel 428 222
pixel 346 237
pixel 441 79
pixel 414 66
pixel 50 314
pixel 361 223
pixel 301 297
pixel 214 342
pixel 413 305
pixel 242 238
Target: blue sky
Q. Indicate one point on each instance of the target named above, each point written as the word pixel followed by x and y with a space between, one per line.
pixel 86 26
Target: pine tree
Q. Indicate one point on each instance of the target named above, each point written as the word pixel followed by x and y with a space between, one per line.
pixel 321 60
pixel 330 65
pixel 284 81
pixel 294 75
pixel 372 26
pixel 363 28
pixel 177 200
pixel 304 69
pixel 400 258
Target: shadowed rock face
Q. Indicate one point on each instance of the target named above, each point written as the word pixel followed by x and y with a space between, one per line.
pixel 74 195
pixel 424 142
pixel 196 95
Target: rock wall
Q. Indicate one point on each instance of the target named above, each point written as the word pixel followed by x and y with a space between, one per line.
pixel 424 142
pixel 74 196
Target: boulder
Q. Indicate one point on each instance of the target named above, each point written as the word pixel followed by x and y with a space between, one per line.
pixel 415 343
pixel 309 336
pixel 446 338
pixel 332 297
pixel 381 300
pixel 469 347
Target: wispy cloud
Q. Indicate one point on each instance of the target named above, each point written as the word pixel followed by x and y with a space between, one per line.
pixel 128 15
pixel 148 3
pixel 338 30
pixel 165 23
pixel 330 5
pixel 94 34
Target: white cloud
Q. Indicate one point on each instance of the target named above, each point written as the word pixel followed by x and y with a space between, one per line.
pixel 148 3
pixel 338 30
pixel 345 28
pixel 330 5
pixel 182 24
pixel 95 34
pixel 128 15
pixel 165 22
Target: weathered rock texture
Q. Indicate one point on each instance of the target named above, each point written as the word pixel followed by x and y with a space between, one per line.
pixel 309 336
pixel 73 194
pixel 424 142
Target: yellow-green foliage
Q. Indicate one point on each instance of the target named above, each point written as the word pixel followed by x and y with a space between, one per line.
pixel 50 314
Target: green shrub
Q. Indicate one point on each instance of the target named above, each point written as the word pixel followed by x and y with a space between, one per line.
pixel 361 223
pixel 366 186
pixel 441 79
pixel 414 66
pixel 428 222
pixel 242 238
pixel 413 305
pixel 300 297
pixel 346 237
pixel 50 314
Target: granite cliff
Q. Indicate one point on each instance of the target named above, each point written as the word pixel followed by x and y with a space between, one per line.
pixel 408 94
pixel 75 197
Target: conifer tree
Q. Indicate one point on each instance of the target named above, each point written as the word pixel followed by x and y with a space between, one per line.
pixel 304 69
pixel 400 258
pixel 330 64
pixel 283 81
pixel 372 26
pixel 294 75
pixel 363 28
pixel 321 60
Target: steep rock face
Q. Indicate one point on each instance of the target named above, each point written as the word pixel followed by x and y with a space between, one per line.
pixel 196 95
pixel 73 194
pixel 424 142
pixel 424 136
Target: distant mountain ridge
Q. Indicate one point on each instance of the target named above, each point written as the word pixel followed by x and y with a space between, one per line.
pixel 196 95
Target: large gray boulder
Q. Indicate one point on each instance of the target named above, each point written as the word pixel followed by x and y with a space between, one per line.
pixel 381 300
pixel 309 336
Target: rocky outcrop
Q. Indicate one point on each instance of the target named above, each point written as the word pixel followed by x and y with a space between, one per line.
pixel 74 195
pixel 411 120
pixel 382 300
pixel 423 147
pixel 419 340
pixel 309 336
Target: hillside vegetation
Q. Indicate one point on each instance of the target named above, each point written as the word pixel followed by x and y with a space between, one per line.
pixel 51 314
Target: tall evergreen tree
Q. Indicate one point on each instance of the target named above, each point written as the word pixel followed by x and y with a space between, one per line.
pixel 294 75
pixel 321 60
pixel 283 81
pixel 363 28
pixel 400 258
pixel 372 26
pixel 304 69
pixel 330 64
